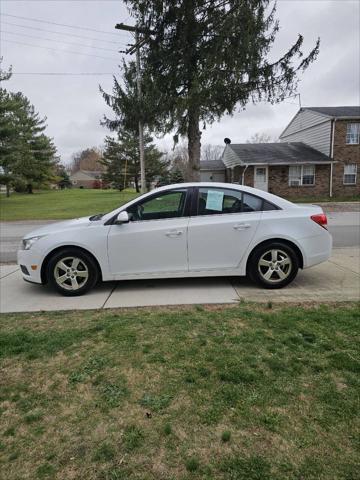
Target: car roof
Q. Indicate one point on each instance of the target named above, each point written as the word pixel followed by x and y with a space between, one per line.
pixel 281 202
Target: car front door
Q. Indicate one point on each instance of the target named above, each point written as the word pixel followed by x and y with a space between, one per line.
pixel 154 241
pixel 221 231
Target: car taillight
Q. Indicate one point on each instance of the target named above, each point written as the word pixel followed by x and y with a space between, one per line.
pixel 320 219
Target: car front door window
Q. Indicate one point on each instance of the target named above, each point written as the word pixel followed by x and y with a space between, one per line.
pixel 162 206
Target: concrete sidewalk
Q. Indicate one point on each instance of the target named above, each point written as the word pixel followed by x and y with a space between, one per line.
pixel 336 280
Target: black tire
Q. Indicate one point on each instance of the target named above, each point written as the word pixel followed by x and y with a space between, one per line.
pixel 85 276
pixel 282 271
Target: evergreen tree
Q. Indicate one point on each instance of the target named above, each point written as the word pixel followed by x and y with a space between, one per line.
pixel 122 160
pixel 27 155
pixel 201 59
pixel 115 163
pixel 63 179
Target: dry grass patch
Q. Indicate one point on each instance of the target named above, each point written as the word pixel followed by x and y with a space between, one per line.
pixel 206 392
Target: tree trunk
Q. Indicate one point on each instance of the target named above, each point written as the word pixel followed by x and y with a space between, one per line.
pixel 8 190
pixel 194 147
pixel 29 188
pixel 136 180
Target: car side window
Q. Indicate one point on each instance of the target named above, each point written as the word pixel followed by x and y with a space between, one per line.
pixel 251 203
pixel 170 204
pixel 215 201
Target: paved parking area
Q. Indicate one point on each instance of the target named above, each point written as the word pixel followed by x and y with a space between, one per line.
pixel 336 280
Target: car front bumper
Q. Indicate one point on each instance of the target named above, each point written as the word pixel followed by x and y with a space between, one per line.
pixel 30 262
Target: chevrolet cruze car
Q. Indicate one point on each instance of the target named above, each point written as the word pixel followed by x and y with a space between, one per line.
pixel 183 230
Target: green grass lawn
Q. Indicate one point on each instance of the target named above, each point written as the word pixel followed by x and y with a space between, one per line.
pixel 61 204
pixel 236 393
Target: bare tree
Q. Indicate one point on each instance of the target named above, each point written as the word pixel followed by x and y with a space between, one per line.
pixel 178 158
pixel 88 159
pixel 262 137
pixel 211 152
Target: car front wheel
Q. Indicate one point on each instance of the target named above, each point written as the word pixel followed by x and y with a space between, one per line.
pixel 274 265
pixel 72 272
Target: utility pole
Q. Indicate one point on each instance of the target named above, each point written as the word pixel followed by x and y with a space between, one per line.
pixel 131 50
pixel 141 126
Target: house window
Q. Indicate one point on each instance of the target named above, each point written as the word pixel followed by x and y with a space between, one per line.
pixel 301 175
pixel 308 175
pixel 353 133
pixel 350 171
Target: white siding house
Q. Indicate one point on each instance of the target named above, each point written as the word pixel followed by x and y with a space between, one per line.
pixel 311 128
pixel 212 171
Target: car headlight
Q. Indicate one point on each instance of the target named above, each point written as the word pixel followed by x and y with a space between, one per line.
pixel 27 243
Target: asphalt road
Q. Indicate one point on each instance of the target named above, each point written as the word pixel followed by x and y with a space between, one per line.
pixel 344 227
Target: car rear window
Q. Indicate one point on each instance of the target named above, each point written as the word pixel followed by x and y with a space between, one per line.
pixel 215 201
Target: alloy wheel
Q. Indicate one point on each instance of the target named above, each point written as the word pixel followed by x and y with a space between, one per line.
pixel 274 266
pixel 71 273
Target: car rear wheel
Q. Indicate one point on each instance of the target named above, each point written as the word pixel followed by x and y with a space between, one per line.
pixel 273 265
pixel 72 272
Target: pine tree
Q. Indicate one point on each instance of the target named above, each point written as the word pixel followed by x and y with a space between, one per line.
pixel 27 155
pixel 203 59
pixel 122 160
pixel 63 179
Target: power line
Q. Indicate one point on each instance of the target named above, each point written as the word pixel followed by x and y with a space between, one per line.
pixel 64 73
pixel 60 33
pixel 58 24
pixel 58 41
pixel 58 50
pixel 14 1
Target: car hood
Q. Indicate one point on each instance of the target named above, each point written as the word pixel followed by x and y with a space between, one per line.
pixel 59 227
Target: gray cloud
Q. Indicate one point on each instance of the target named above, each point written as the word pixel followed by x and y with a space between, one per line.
pixel 74 106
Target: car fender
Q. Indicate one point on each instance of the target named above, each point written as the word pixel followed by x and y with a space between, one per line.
pixel 266 238
pixel 98 251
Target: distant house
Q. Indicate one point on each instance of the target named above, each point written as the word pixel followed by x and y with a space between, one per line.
pixel 334 131
pixel 86 179
pixel 212 171
pixel 318 155
pixel 273 167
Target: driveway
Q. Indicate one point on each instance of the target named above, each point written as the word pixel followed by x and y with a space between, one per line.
pixel 335 280
pixel 344 227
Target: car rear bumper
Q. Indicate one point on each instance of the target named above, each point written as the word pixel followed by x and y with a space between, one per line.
pixel 317 249
pixel 30 262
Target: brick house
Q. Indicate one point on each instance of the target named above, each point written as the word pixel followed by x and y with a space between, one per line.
pixel 86 179
pixel 318 155
pixel 334 131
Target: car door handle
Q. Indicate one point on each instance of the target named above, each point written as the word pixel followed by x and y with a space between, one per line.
pixel 174 233
pixel 241 226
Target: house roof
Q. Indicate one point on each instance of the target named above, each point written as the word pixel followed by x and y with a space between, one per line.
pixel 92 173
pixel 212 165
pixel 277 154
pixel 335 112
pixel 89 173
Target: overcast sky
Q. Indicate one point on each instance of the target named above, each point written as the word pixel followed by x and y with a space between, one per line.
pixel 73 105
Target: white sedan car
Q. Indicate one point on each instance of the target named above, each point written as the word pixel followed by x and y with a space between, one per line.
pixel 184 230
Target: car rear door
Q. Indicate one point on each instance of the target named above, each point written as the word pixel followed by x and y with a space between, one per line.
pixel 223 225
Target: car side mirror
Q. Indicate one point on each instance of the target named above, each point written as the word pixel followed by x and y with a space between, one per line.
pixel 123 217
